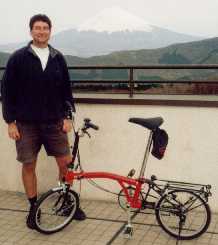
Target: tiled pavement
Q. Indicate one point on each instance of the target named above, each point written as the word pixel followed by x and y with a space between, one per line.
pixel 100 228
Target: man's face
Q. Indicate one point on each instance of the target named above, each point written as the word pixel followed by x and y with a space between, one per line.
pixel 40 33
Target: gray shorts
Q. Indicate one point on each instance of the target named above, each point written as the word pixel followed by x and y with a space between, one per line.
pixel 34 135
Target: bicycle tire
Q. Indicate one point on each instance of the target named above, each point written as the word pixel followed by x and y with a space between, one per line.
pixel 122 198
pixel 192 209
pixel 55 210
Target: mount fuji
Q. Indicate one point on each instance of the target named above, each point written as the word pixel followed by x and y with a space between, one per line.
pixel 115 19
pixel 113 29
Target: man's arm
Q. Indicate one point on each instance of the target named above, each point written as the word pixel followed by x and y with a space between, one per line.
pixel 69 107
pixel 8 92
pixel 67 89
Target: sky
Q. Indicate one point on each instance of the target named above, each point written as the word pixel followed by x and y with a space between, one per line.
pixel 195 17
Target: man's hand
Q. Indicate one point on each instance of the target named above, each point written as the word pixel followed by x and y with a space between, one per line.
pixel 67 125
pixel 13 131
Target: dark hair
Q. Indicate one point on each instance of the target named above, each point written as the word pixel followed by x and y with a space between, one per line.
pixel 39 17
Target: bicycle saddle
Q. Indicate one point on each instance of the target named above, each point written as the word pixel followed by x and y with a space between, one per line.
pixel 150 123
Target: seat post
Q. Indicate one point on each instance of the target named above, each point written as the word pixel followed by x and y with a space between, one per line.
pixel 144 163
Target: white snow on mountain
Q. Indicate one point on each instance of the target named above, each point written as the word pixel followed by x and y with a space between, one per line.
pixel 115 19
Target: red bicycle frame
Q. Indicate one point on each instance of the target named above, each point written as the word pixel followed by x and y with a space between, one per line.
pixel 134 200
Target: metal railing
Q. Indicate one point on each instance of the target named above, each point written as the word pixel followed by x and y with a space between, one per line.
pixel 131 82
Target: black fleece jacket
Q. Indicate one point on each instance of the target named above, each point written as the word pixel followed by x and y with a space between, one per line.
pixel 31 94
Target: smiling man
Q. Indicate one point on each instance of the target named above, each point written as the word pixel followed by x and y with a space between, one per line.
pixel 35 93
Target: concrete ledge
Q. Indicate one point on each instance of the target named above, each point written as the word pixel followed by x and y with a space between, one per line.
pixel 119 146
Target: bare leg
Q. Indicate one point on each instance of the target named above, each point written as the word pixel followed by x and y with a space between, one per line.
pixel 30 185
pixel 62 162
pixel 29 179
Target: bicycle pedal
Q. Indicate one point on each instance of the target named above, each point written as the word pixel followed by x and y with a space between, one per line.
pixel 128 232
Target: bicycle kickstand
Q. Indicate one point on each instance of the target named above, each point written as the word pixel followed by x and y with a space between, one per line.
pixel 128 229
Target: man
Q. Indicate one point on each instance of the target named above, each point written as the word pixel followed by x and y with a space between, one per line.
pixel 35 93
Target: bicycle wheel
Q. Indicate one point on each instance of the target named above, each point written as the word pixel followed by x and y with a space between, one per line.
pixel 123 201
pixel 183 214
pixel 55 210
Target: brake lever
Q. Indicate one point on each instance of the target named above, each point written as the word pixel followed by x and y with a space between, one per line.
pixel 87 134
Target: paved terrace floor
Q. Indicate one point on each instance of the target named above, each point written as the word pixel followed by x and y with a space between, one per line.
pixel 102 226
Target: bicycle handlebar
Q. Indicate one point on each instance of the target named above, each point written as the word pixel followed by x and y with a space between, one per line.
pixel 88 124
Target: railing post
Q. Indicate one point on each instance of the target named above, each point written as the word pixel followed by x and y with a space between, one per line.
pixel 131 83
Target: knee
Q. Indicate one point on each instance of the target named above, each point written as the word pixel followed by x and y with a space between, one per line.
pixel 64 161
pixel 29 167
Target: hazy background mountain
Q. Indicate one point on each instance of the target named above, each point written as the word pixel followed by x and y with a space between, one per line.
pixel 113 29
pixel 3 58
pixel 198 52
pixel 92 43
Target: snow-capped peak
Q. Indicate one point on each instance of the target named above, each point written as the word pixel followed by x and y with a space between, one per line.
pixel 115 19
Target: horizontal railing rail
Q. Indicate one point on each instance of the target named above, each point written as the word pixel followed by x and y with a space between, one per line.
pixel 183 66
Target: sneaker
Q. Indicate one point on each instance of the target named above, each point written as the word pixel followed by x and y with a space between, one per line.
pixel 79 215
pixel 65 210
pixel 30 219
